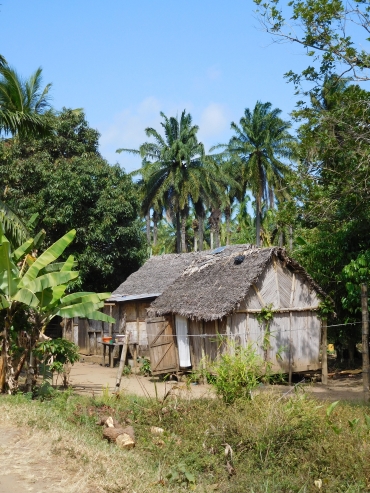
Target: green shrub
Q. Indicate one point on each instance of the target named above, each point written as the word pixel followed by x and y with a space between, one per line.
pixel 238 371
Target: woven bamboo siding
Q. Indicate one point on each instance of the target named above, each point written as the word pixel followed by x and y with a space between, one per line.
pixel 285 279
pixel 210 342
pixel 303 295
pixel 306 331
pixel 196 342
pixel 266 286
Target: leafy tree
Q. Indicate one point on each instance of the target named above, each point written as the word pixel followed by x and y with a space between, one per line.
pixel 23 103
pixel 330 31
pixel 175 170
pixel 38 286
pixel 63 179
pixel 261 139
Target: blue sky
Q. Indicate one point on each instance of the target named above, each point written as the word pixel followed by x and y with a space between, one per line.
pixel 124 62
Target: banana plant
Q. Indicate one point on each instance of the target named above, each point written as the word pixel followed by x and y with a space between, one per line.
pixel 38 285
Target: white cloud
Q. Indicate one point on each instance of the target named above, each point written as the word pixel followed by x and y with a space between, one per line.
pixel 214 121
pixel 127 129
pixel 213 72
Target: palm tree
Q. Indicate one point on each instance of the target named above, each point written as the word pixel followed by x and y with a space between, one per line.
pixel 174 170
pixel 261 140
pixel 22 103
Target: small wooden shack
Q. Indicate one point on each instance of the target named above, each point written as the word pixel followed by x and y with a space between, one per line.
pixel 222 293
pixel 128 304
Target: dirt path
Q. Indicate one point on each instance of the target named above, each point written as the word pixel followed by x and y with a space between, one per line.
pixel 92 378
pixel 89 378
pixel 22 468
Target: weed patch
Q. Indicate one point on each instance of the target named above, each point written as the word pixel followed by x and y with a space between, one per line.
pixel 269 444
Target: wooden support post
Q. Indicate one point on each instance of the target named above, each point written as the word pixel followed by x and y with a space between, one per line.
pixel 324 352
pixel 365 341
pixel 290 350
pixel 122 362
pixel 110 323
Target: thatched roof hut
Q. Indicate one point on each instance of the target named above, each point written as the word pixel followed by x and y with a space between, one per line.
pixel 154 277
pixel 222 295
pixel 214 285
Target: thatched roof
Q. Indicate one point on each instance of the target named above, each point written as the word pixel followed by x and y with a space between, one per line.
pixel 154 276
pixel 215 284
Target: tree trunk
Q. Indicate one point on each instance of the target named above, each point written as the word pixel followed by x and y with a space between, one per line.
pixel 178 233
pixel 258 221
pixel 217 235
pixel 200 231
pixel 20 364
pixel 227 220
pixel 155 228
pixel 290 238
pixel 281 239
pixel 365 341
pixel 183 231
pixel 7 380
pixel 148 235
pixel 211 239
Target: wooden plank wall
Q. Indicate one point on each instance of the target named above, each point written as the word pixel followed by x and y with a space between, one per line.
pixel 129 317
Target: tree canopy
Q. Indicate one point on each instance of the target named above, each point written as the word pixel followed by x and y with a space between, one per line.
pixel 63 179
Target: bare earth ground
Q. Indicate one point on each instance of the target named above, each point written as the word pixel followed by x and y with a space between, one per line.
pixel 89 378
pixel 28 463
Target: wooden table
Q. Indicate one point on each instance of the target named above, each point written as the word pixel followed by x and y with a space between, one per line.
pixel 110 351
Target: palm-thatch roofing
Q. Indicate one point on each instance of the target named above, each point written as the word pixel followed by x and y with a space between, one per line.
pixel 154 276
pixel 215 284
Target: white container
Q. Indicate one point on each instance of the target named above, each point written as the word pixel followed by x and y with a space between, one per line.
pixel 120 337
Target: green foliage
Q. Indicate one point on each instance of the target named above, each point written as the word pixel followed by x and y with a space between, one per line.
pixel 330 32
pixel 63 352
pixel 238 372
pixel 63 179
pixel 274 444
pixel 180 474
pixel 357 272
pixel 256 153
pixel 23 103
pixel 145 368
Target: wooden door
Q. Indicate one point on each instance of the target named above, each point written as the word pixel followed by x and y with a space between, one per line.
pixel 162 347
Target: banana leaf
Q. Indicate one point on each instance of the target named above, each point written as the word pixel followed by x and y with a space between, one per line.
pixel 8 270
pixel 23 249
pixel 69 263
pixel 49 256
pixel 57 267
pixel 49 280
pixel 74 297
pixel 79 310
pixel 3 302
pixel 26 297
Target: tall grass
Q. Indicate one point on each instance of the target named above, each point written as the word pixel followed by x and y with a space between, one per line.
pixel 267 444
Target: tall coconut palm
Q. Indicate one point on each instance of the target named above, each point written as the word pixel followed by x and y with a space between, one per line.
pixel 22 103
pixel 261 140
pixel 174 170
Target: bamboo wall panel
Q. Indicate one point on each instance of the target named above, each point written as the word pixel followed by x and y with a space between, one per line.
pixel 211 343
pixel 304 295
pixel 266 285
pixel 196 343
pixel 278 350
pixel 251 301
pixel 285 279
pixel 255 335
pixel 238 329
pixel 306 331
